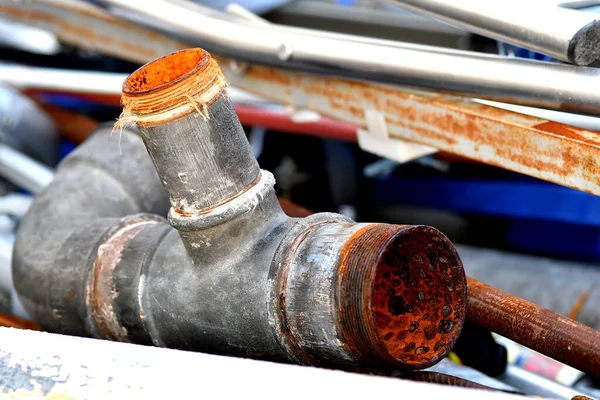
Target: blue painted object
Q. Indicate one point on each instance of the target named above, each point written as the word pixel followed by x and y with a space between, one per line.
pixel 65 148
pixel 523 199
pixel 554 238
pixel 543 217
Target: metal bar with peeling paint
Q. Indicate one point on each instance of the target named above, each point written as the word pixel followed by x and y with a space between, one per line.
pixel 533 146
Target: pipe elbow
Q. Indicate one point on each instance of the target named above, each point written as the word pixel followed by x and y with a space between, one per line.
pixel 60 234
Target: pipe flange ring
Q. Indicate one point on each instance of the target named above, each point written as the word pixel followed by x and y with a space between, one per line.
pixel 241 204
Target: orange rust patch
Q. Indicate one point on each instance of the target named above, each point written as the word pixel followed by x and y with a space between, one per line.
pixel 579 305
pixel 173 86
pixel 101 287
pixel 182 212
pixel 271 75
pixel 165 70
pixel 402 295
pixel 554 127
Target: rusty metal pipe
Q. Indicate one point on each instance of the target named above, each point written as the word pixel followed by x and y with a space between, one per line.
pixel 445 379
pixel 533 326
pixel 236 275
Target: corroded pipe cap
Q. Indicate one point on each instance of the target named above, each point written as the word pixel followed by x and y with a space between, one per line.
pixel 401 296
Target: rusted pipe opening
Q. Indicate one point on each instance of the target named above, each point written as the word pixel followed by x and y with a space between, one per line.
pixel 402 296
pixel 166 71
pixel 172 86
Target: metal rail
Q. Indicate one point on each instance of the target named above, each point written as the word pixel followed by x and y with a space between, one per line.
pixel 568 35
pixel 521 81
pixel 513 80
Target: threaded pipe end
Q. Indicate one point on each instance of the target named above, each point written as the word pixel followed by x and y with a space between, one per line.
pixel 172 86
pixel 401 295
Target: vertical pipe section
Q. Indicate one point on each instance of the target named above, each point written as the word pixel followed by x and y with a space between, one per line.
pixel 191 131
pixel 533 326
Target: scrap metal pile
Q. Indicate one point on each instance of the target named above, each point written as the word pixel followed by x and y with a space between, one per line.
pixel 162 229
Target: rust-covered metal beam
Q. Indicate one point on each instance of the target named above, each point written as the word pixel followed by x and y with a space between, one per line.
pixel 80 24
pixel 533 146
pixel 533 326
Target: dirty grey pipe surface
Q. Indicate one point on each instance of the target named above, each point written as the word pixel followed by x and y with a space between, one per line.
pixel 567 35
pixel 177 147
pixel 93 189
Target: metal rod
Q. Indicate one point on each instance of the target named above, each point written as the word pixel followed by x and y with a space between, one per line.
pixel 540 329
pixel 23 171
pixel 64 80
pixel 510 272
pixel 109 83
pixel 29 39
pixel 11 321
pixel 516 80
pixel 568 35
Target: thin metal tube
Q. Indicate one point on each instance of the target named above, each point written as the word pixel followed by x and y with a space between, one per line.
pixel 64 80
pixel 109 83
pixel 540 329
pixel 534 384
pixel 23 37
pixel 568 35
pixel 513 80
pixel 23 171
